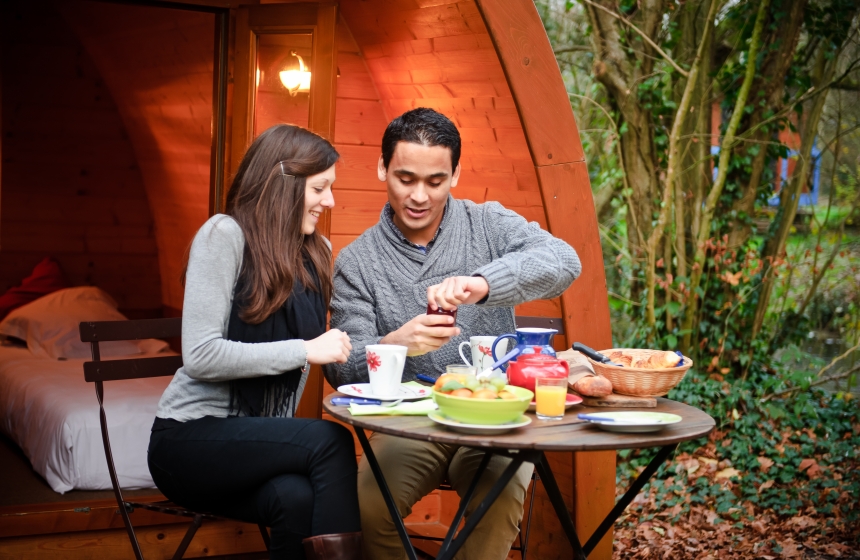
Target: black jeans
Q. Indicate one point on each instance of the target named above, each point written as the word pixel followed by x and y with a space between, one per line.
pixel 294 475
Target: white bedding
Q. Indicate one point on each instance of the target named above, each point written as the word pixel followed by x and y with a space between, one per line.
pixel 48 409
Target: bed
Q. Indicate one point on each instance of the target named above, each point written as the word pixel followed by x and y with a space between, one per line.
pixel 52 414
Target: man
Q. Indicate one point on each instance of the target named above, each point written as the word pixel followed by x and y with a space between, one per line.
pixel 428 247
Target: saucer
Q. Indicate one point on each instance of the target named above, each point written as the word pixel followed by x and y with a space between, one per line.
pixel 478 429
pixel 569 401
pixel 405 392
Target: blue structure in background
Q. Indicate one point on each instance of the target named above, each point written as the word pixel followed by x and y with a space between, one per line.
pixel 806 199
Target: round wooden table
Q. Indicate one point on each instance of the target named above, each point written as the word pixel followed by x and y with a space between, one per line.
pixel 528 444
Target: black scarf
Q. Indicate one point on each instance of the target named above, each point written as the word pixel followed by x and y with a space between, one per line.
pixel 302 316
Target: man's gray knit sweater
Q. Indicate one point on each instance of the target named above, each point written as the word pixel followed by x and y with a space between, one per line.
pixel 381 281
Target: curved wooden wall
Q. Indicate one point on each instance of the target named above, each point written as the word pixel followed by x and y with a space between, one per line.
pixel 158 64
pixel 488 66
pixel 439 56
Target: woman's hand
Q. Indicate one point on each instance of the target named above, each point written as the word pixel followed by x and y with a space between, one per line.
pixel 330 347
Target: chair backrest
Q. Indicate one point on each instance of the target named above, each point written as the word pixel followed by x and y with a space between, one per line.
pixel 133 368
pixel 98 371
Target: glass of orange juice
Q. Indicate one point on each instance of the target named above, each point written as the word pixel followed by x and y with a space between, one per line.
pixel 550 394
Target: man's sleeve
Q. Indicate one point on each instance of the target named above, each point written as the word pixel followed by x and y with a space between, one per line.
pixel 532 263
pixel 353 311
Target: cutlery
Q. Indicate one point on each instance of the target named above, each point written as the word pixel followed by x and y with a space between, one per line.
pixel 505 359
pixel 598 418
pixel 593 354
pixel 426 378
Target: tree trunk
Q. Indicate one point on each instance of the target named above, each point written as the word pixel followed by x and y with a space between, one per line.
pixel 716 191
pixel 621 69
pixel 790 195
pixel 672 172
pixel 778 45
pixel 694 24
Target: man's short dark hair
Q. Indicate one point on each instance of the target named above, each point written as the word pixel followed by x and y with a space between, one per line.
pixel 421 126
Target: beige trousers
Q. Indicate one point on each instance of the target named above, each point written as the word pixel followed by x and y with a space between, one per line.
pixel 413 469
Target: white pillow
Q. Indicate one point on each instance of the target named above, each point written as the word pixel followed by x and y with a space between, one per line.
pixel 51 325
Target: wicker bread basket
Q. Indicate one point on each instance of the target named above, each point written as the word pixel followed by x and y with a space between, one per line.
pixel 640 382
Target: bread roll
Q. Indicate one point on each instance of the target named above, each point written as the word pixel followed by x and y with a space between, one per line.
pixel 663 360
pixel 593 386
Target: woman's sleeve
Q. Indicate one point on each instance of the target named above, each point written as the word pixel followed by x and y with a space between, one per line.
pixel 213 267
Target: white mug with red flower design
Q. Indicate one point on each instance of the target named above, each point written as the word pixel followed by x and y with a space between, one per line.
pixel 385 364
pixel 482 354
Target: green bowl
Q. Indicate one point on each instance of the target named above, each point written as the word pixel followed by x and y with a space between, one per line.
pixel 480 411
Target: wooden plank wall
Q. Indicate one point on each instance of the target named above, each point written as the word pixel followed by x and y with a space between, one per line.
pixel 402 54
pixel 158 64
pixel 395 56
pixel 71 185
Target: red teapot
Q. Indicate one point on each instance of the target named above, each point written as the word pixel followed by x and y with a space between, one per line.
pixel 528 367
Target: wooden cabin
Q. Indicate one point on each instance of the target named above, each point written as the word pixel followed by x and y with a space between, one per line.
pixel 122 124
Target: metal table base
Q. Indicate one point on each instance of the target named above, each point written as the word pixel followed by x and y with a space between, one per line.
pixel 454 540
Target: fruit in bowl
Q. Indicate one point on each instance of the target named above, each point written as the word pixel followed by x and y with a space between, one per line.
pixel 465 399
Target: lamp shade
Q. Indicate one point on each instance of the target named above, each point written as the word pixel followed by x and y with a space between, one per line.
pixel 296 80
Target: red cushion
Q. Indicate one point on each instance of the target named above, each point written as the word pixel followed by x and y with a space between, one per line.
pixel 45 279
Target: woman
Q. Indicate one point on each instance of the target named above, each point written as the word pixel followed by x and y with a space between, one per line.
pixel 257 289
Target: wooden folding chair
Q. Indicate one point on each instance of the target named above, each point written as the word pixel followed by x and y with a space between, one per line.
pixel 98 371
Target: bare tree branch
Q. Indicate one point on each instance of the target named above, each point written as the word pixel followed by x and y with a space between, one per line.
pixel 645 37
pixel 574 48
pixel 821 381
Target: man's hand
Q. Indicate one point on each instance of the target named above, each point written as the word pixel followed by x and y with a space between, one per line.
pixel 457 290
pixel 330 347
pixel 423 334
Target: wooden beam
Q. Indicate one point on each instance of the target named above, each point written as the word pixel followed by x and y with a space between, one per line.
pixel 553 139
pixel 535 80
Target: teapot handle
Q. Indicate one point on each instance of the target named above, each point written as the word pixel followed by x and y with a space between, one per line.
pixel 493 348
pixel 566 366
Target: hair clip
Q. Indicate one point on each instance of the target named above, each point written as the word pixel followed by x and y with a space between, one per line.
pixel 284 171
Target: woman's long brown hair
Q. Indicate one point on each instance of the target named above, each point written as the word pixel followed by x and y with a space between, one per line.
pixel 267 199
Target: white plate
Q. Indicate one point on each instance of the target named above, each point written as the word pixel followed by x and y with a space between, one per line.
pixel 569 401
pixel 634 421
pixel 478 429
pixel 406 392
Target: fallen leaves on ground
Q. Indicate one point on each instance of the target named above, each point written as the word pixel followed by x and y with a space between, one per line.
pixel 645 532
pixel 695 531
pixel 701 534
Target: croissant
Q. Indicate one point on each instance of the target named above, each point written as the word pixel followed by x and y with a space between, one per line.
pixel 621 358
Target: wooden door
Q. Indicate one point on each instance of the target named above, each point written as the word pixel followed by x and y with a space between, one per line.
pixel 275 43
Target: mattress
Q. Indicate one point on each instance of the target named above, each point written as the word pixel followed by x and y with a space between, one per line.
pixel 48 409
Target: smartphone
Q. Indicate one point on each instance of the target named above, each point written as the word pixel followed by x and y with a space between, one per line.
pixel 346 401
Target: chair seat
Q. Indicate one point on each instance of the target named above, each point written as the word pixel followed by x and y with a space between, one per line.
pixel 172 508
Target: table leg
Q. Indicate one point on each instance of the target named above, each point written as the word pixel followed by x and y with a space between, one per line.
pixel 489 499
pixel 559 506
pixel 386 494
pixel 464 501
pixel 628 496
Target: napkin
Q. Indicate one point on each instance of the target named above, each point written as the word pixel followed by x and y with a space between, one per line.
pixel 413 408
pixel 579 366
